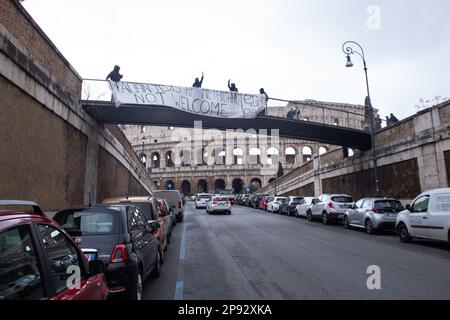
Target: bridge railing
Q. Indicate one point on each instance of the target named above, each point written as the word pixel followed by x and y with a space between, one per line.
pixel 98 90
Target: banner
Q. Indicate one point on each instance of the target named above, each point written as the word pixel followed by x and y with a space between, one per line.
pixel 204 102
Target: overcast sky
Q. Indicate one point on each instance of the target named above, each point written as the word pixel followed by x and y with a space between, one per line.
pixel 292 48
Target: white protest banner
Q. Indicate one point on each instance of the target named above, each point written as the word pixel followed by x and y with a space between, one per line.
pixel 211 103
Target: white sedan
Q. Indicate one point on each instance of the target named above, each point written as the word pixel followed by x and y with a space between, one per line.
pixel 276 204
pixel 219 204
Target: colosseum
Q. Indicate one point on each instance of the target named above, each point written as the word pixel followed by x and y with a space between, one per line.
pixel 193 160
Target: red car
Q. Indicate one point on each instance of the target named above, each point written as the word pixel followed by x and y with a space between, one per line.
pixel 39 260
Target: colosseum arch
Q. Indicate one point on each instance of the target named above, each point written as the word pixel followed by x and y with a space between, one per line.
pixel 237 185
pixel 238 156
pixel 291 155
pixel 170 185
pixel 255 155
pixel 170 163
pixel 155 160
pixel 202 186
pixel 322 150
pixel 273 155
pixel 186 187
pixel 219 185
pixel 307 153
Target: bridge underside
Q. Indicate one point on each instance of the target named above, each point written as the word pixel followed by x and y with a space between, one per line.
pixel 106 112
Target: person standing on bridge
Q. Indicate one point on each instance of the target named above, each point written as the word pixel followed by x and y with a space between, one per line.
pixel 115 75
pixel 198 83
pixel 263 112
pixel 232 87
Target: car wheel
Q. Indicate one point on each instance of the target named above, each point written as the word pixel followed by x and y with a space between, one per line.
pixel 369 227
pixel 403 233
pixel 229 212
pixel 325 219
pixel 346 223
pixel 156 272
pixel 135 291
pixel 309 215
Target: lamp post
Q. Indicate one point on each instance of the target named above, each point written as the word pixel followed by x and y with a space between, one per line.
pixel 351 47
pixel 144 160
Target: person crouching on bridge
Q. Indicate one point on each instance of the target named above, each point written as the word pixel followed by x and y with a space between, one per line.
pixel 115 75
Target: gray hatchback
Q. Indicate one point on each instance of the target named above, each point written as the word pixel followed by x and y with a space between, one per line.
pixel 373 214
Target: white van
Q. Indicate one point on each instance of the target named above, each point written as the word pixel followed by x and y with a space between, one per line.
pixel 428 217
pixel 175 200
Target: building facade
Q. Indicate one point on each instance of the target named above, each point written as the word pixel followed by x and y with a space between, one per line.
pixel 197 160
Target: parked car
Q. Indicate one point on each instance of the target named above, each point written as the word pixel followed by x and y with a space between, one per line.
pixel 246 200
pixel 201 202
pixel 373 214
pixel 34 252
pixel 120 236
pixel 278 204
pixel 237 199
pixel 230 198
pixel 175 200
pixel 292 205
pixel 303 206
pixel 428 217
pixel 151 208
pixel 329 207
pixel 219 204
pixel 169 210
pixel 264 201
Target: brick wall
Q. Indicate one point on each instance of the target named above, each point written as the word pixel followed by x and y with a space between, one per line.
pixel 395 134
pixel 43 158
pixel 20 24
pixel 444 113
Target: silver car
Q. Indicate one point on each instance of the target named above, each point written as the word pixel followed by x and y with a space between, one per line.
pixel 373 214
pixel 219 204
pixel 329 207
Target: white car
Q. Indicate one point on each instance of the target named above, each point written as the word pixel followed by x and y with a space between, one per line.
pixel 329 208
pixel 278 203
pixel 202 200
pixel 428 217
pixel 219 204
pixel 303 206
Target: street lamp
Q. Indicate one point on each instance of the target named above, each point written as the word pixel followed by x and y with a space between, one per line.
pixel 144 160
pixel 351 47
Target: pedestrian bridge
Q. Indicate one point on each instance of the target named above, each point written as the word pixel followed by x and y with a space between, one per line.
pixel 157 115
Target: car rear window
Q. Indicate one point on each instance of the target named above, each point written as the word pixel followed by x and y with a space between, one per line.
pixel 389 205
pixel 146 209
pixel 88 222
pixel 341 199
pixel 204 197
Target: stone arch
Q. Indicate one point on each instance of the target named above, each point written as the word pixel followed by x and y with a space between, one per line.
pixel 273 155
pixel 238 156
pixel 307 153
pixel 202 186
pixel 170 185
pixel 271 180
pixel 256 182
pixel 219 185
pixel 155 159
pixel 219 156
pixel 323 150
pixel 185 156
pixel 169 157
pixel 143 159
pixel 255 155
pixel 186 187
pixel 291 155
pixel 238 185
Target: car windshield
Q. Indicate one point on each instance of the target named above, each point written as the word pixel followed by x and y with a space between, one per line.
pixel 220 199
pixel 282 200
pixel 205 196
pixel 389 205
pixel 88 222
pixel 341 199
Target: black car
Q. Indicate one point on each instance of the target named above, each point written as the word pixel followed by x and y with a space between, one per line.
pixel 293 202
pixel 121 237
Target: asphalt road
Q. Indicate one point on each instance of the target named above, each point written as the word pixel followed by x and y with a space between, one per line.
pixel 252 254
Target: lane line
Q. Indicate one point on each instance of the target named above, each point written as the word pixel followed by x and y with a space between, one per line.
pixel 179 288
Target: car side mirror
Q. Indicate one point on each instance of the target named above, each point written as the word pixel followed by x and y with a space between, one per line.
pixel 96 267
pixel 408 207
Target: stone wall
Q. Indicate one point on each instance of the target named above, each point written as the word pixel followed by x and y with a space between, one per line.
pixel 413 156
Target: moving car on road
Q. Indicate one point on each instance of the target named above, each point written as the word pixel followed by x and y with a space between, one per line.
pixel 329 207
pixel 303 206
pixel 373 214
pixel 428 217
pixel 201 202
pixel 120 236
pixel 278 204
pixel 35 253
pixel 175 200
pixel 219 204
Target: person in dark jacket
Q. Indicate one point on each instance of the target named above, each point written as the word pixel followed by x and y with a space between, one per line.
pixel 232 87
pixel 198 83
pixel 115 75
pixel 393 119
pixel 261 91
